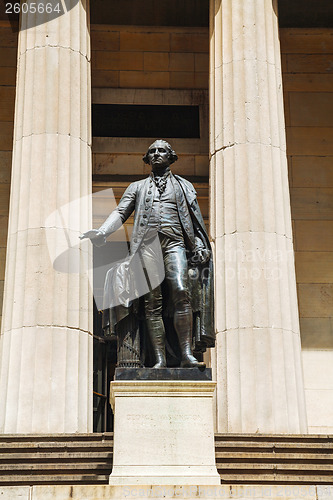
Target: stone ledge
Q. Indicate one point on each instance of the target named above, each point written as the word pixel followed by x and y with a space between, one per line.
pixel 190 492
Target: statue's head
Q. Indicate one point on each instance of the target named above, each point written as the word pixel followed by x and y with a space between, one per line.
pixel 160 147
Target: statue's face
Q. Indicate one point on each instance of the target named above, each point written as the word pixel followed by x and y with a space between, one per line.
pixel 158 155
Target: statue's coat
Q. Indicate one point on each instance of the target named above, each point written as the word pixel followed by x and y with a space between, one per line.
pixel 121 279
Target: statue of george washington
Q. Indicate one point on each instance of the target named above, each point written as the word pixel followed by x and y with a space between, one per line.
pixel 164 312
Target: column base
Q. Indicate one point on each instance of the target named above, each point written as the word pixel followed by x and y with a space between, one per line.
pixel 163 433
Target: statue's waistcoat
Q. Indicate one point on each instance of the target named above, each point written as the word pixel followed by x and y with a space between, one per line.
pixel 143 209
pixel 164 216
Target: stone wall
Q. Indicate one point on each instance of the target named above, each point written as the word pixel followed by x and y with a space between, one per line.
pixel 307 57
pixel 141 57
pixel 141 65
pixel 8 52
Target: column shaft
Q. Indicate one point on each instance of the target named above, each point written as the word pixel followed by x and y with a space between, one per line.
pixel 258 356
pixel 46 339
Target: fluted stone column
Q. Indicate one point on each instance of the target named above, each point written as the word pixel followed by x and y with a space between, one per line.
pixel 257 361
pixel 46 339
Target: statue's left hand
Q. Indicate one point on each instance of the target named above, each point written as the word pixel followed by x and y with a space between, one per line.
pixel 200 256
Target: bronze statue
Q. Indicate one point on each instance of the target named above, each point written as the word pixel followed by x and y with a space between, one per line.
pixel 171 246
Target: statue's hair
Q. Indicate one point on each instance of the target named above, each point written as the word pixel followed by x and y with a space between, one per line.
pixel 172 154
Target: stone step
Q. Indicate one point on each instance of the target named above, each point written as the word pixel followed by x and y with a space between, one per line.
pixel 274 446
pixel 96 437
pixel 22 479
pixel 240 459
pixel 51 448
pixel 258 477
pixel 285 438
pixel 299 468
pixel 42 456
pixel 275 457
pixel 260 441
pixel 39 467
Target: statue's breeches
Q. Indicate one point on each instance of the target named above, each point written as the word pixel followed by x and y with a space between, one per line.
pixel 176 274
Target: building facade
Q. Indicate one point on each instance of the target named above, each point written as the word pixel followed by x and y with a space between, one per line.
pixel 249 111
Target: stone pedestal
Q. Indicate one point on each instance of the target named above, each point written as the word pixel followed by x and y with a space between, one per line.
pixel 163 433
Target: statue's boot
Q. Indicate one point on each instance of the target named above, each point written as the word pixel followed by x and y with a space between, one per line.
pixel 188 360
pixel 157 337
pixel 183 327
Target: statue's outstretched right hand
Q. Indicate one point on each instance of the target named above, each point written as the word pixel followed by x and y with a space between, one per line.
pixel 96 237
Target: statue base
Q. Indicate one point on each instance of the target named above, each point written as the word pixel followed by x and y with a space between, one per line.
pixel 163 432
pixel 163 374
